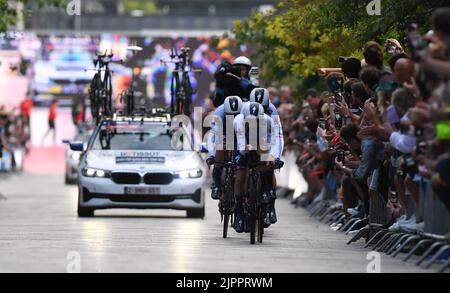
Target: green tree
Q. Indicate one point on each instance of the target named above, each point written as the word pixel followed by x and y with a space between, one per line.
pixel 9 15
pixel 299 36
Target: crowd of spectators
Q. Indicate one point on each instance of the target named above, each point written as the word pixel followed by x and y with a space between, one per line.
pixel 14 135
pixel 382 130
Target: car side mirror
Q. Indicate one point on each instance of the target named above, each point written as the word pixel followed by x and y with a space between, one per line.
pixel 77 146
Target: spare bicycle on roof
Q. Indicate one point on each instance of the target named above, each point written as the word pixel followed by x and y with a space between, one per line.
pixel 100 91
pixel 181 89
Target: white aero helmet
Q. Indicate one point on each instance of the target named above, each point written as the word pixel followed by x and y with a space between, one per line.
pixel 260 95
pixel 253 109
pixel 232 105
pixel 242 60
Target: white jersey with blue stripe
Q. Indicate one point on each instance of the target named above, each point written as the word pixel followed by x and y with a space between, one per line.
pixel 273 113
pixel 219 126
pixel 269 140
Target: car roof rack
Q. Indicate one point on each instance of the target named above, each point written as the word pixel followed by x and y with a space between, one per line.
pixel 154 115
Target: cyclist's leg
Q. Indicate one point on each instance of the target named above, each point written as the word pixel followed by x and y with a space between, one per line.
pixel 241 173
pixel 217 175
pixel 273 214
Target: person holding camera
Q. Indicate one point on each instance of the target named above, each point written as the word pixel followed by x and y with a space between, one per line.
pixel 233 80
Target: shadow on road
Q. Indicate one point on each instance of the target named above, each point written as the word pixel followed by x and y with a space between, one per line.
pixel 111 216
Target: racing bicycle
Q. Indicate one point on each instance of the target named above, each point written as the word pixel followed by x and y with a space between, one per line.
pixel 227 201
pixel 100 92
pixel 129 95
pixel 181 89
pixel 256 207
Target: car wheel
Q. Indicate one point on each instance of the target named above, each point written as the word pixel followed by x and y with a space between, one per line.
pixel 69 181
pixel 196 213
pixel 84 212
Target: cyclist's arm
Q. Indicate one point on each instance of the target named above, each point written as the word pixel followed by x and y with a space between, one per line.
pixel 278 129
pixel 246 86
pixel 276 148
pixel 219 97
pixel 239 128
pixel 216 134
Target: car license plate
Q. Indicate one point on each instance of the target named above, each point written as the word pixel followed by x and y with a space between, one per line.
pixel 143 190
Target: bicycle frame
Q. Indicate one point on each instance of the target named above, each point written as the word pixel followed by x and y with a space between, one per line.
pixel 254 199
pixel 227 201
pixel 181 90
pixel 101 95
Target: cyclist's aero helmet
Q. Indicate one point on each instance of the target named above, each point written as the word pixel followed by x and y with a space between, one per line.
pixel 260 95
pixel 233 105
pixel 253 109
pixel 242 60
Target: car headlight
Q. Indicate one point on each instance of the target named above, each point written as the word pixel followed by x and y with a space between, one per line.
pixel 76 156
pixel 193 173
pixel 91 172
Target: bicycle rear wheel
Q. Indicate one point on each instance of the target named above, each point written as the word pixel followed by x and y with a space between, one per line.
pixel 94 96
pixel 189 91
pixel 228 204
pixel 260 225
pixel 107 87
pixel 259 209
pixel 252 215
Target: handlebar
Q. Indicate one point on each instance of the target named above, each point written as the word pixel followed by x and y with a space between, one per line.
pixel 225 165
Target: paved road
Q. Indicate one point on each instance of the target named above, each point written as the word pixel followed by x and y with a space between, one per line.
pixel 39 227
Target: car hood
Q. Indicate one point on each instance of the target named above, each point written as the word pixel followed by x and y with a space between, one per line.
pixel 143 161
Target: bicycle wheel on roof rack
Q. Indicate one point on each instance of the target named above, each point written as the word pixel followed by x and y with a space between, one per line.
pixel 94 96
pixel 189 91
pixel 107 87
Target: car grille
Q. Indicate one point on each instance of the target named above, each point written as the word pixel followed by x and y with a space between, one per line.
pixel 87 196
pixel 158 178
pixel 143 198
pixel 126 178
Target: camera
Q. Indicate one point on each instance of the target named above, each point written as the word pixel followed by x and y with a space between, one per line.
pixel 339 121
pixel 337 84
pixel 392 48
pixel 341 156
pixel 342 59
pixel 322 123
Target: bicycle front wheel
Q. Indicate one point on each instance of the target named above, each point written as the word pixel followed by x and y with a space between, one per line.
pixel 252 213
pixel 107 87
pixel 227 204
pixel 94 96
pixel 260 225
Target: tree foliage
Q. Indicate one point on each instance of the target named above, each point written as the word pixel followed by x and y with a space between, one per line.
pixel 300 36
pixel 9 16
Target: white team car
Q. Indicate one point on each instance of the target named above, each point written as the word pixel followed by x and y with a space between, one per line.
pixel 73 158
pixel 138 163
pixel 63 74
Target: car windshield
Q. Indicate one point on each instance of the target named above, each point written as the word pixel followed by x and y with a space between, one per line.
pixel 138 136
